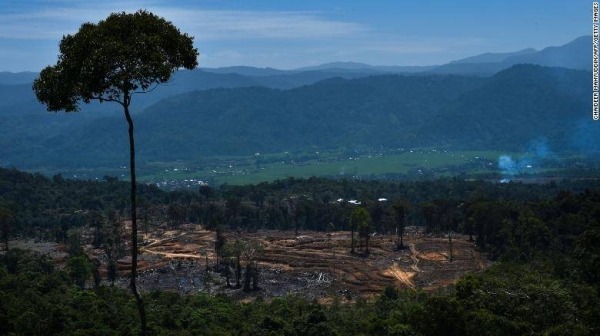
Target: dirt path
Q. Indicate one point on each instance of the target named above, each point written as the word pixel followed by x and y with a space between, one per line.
pixel 407 277
pixel 402 276
pixel 174 255
pixel 414 255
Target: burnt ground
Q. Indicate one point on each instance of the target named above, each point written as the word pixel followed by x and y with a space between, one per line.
pixel 314 265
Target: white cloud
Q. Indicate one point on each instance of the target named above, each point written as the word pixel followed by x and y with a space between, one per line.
pixel 281 39
pixel 214 24
pixel 53 23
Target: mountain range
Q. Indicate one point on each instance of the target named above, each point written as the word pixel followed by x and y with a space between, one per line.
pixel 487 101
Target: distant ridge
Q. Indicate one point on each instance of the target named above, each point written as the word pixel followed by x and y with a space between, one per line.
pixel 573 55
pixel 493 57
pixel 246 71
pixel 17 78
pixel 354 66
pixel 576 54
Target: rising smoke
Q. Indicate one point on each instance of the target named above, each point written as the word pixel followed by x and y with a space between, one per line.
pixel 537 150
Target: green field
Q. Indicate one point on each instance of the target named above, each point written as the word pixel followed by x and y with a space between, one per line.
pixel 240 170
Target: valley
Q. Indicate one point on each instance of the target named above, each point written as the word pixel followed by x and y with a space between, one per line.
pixel 383 164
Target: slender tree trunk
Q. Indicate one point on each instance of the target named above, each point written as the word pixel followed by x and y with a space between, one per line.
pixel 401 237
pixel 134 245
pixel 247 277
pixel 238 272
pixel 450 241
pixel 227 272
pixel 255 272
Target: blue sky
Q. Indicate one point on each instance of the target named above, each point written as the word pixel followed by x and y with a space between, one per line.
pixel 288 34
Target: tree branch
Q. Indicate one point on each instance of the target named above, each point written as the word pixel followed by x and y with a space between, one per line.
pixel 102 99
pixel 155 86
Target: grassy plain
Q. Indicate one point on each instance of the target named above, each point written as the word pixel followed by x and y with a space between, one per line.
pixel 245 170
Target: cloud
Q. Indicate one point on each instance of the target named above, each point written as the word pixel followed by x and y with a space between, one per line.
pixel 227 36
pixel 220 24
pixel 53 22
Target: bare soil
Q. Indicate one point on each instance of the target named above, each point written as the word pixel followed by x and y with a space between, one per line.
pixel 315 265
pixel 311 264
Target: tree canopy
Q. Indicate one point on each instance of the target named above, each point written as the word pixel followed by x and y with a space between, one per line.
pixel 113 59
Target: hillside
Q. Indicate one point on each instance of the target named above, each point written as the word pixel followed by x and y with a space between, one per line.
pixel 506 112
pixel 372 111
pixel 244 110
pixel 517 106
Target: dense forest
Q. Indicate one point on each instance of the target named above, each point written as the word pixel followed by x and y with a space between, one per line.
pixel 541 237
pixel 42 205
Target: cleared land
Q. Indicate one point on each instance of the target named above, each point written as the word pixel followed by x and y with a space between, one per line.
pixel 312 264
pixel 315 265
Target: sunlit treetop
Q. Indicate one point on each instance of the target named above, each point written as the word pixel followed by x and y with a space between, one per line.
pixel 114 59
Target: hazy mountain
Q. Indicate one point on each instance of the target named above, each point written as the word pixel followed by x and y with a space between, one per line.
pixel 296 79
pixel 576 54
pixel 517 106
pixel 14 96
pixel 27 125
pixel 507 111
pixel 335 104
pixel 21 99
pixel 192 80
pixel 404 68
pixel 16 78
pixel 246 71
pixel 573 55
pixel 473 69
pixel 342 67
pixel 335 112
pixel 493 57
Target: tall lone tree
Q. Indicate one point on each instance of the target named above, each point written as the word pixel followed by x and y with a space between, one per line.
pixel 358 219
pixel 111 61
pixel 400 209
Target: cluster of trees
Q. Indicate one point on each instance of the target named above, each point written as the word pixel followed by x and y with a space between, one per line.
pixel 497 216
pixel 48 208
pixel 234 255
pixel 544 237
pixel 542 297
